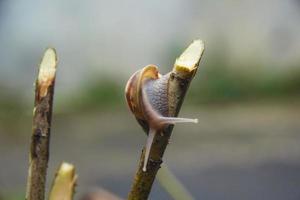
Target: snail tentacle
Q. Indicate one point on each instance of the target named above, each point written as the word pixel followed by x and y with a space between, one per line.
pixel 148 147
pixel 175 120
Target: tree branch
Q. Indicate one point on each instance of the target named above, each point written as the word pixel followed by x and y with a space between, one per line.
pixel 42 113
pixel 182 74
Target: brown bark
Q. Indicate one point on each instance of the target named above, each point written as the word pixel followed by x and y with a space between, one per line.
pixel 40 139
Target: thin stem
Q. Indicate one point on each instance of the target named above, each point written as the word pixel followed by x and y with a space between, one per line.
pixel 64 183
pixel 172 185
pixel 40 139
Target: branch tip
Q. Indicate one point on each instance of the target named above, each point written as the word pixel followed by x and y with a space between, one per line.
pixel 64 183
pixel 66 169
pixel 190 58
pixel 47 71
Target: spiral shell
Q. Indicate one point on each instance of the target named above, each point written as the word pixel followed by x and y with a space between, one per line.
pixel 146 94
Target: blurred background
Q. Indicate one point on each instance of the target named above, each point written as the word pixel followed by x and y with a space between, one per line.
pixel 246 93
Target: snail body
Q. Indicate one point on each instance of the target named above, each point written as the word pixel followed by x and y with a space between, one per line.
pixel 146 94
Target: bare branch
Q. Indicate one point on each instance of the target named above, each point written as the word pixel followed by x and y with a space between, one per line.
pixel 42 113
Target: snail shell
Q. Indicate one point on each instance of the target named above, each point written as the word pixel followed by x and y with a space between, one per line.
pixel 147 97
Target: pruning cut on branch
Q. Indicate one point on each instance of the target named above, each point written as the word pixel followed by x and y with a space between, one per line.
pixel 42 114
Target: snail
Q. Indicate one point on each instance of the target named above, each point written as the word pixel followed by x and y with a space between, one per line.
pixel 146 94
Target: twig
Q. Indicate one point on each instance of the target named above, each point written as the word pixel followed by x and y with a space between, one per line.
pixel 172 185
pixel 42 112
pixel 64 183
pixel 183 72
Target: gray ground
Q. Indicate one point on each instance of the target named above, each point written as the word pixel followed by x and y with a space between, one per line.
pixel 245 151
